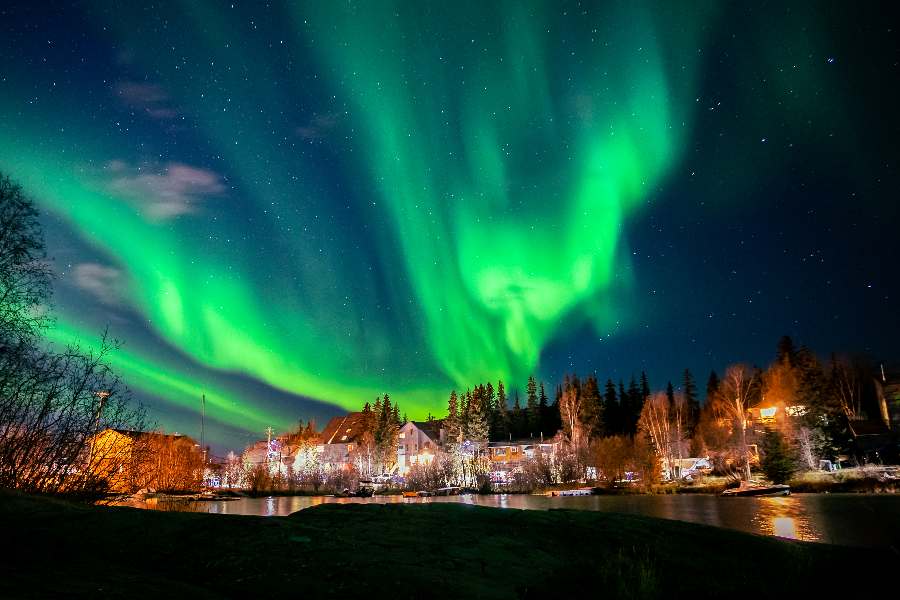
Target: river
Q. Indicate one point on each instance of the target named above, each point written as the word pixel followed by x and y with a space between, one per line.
pixel 848 519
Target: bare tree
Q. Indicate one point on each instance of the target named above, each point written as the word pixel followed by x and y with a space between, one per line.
pixel 53 402
pixel 848 385
pixel 570 409
pixel 737 393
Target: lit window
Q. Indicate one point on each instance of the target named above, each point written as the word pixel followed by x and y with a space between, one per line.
pixel 402 435
pixel 349 447
pixel 343 438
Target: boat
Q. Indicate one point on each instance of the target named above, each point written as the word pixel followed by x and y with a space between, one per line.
pixel 578 492
pixel 410 494
pixel 447 491
pixel 758 490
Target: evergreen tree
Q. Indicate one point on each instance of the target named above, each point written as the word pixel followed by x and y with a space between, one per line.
pixel 777 460
pixel 466 414
pixel 368 418
pixel 690 399
pixel 544 412
pixel 712 388
pixel 645 388
pixel 554 419
pixel 786 353
pixel 611 409
pixel 478 417
pixel 670 394
pixel 591 409
pixel 500 422
pixel 532 407
pixel 635 404
pixel 451 423
pixel 519 419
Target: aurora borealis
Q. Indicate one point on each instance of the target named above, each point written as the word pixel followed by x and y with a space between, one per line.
pixel 294 208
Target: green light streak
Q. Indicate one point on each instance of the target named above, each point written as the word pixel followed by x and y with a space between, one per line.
pixel 497 161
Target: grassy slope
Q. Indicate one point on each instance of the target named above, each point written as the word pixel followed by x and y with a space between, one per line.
pixel 397 551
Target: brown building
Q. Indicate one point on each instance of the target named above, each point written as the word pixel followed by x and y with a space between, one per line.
pixel 134 460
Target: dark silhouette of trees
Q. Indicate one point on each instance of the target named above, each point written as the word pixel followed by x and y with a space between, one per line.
pixel 53 401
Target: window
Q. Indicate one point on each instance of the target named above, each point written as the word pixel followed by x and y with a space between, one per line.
pixel 402 435
pixel 343 438
pixel 349 447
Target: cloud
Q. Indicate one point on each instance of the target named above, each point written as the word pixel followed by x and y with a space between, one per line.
pixel 163 193
pixel 150 98
pixel 102 282
pixel 318 126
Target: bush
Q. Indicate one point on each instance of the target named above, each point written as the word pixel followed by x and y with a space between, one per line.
pixel 777 462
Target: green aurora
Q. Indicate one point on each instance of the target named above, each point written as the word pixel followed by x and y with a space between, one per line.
pixel 383 173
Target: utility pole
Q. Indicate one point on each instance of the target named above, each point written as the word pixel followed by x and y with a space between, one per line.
pixel 202 426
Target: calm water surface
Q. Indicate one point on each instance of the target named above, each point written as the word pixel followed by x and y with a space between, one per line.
pixel 849 519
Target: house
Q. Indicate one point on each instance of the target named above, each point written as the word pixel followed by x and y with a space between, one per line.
pixel 342 437
pixel 506 455
pixel 775 415
pixel 419 442
pixel 134 460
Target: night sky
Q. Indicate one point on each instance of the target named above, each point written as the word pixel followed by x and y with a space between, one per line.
pixel 293 208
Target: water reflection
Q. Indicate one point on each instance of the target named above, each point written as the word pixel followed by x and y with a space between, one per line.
pixel 852 519
pixel 785 516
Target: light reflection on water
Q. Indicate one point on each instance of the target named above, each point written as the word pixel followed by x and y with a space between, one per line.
pixel 851 519
pixel 787 517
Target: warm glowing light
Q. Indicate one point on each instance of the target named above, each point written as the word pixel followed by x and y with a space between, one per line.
pixel 785 527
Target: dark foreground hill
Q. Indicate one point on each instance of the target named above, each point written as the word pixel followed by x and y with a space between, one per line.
pixel 58 549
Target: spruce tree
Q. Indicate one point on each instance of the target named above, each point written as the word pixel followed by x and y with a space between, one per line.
pixel 478 417
pixel 544 412
pixel 611 409
pixel 712 388
pixel 786 353
pixel 645 388
pixel 519 419
pixel 690 399
pixel 501 415
pixel 777 461
pixel 451 423
pixel 591 409
pixel 465 414
pixel 532 407
pixel 635 404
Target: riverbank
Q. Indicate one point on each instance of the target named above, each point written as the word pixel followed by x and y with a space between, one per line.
pixel 398 551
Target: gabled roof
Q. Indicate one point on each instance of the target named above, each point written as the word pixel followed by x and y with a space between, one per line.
pixel 344 430
pixel 430 428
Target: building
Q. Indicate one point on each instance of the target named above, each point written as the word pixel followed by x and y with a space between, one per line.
pixel 341 440
pixel 286 454
pixel 507 455
pixel 419 442
pixel 134 460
